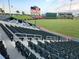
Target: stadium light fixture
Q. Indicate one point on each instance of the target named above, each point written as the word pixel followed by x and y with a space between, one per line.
pixel 71 8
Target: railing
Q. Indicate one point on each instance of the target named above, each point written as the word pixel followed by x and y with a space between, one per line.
pixel 29 36
pixel 55 38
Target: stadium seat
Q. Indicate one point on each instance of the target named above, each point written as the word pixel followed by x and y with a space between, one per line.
pixel 41 51
pixel 24 51
pixel 3 51
pixel 28 31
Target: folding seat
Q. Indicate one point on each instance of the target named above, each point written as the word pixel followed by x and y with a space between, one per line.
pixel 18 46
pixel 35 48
pixel 54 57
pixel 24 53
pixel 27 51
pixel 31 45
pixel 3 51
pixel 32 56
pixel 46 55
pixel 40 51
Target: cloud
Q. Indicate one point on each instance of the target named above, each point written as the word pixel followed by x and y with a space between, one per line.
pixel 74 7
pixel 48 0
pixel 61 0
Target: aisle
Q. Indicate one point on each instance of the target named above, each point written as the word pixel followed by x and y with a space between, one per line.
pixel 12 51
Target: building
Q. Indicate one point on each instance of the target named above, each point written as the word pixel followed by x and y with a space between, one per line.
pixel 65 15
pixel 51 15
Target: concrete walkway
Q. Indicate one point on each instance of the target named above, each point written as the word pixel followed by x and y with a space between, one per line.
pixel 11 50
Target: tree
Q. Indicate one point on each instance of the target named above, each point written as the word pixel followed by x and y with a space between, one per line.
pixel 17 11
pixel 23 13
pixel 2 11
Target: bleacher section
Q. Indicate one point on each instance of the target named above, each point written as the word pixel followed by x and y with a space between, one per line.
pixel 24 51
pixel 18 22
pixel 56 50
pixel 3 51
pixel 46 45
pixel 32 33
pixel 41 51
pixel 65 50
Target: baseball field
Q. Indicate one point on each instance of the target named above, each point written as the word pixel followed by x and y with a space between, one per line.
pixel 66 27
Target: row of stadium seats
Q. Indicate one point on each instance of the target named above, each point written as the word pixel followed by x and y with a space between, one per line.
pixel 42 33
pixel 15 20
pixel 65 50
pixel 3 51
pixel 9 34
pixel 41 51
pixel 24 51
pixel 48 48
pixel 4 17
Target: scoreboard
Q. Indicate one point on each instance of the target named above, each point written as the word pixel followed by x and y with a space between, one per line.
pixel 35 11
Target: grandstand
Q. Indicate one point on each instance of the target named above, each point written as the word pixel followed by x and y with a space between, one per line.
pixel 22 40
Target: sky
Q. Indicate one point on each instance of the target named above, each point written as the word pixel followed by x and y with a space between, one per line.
pixel 24 5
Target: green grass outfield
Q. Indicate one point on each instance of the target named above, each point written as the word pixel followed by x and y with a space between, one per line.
pixel 66 27
pixel 23 17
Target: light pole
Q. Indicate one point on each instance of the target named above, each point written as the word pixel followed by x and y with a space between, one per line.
pixel 70 5
pixel 9 7
pixel 3 5
pixel 71 9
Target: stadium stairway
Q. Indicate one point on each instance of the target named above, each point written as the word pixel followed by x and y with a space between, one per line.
pixel 13 53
